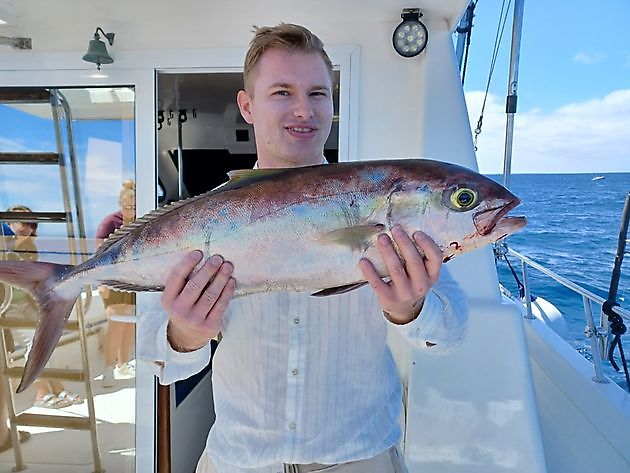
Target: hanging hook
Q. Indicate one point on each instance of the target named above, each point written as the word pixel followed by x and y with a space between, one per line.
pixel 160 119
pixel 182 116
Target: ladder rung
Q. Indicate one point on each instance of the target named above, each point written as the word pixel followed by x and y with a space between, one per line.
pixel 18 322
pixel 48 373
pixel 24 95
pixel 29 158
pixel 53 421
pixel 33 216
pixel 67 338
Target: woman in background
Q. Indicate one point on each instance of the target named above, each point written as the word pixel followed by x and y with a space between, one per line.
pixel 120 335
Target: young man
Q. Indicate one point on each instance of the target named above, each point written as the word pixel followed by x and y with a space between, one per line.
pixel 303 383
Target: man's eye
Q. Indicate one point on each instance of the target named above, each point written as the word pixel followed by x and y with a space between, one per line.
pixel 320 93
pixel 282 93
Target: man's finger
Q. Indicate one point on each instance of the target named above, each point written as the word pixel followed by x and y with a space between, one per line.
pixel 380 287
pixel 213 320
pixel 178 276
pixel 414 263
pixel 394 265
pixel 209 297
pixel 432 253
pixel 197 283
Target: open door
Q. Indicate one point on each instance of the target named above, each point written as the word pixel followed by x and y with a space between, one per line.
pixel 200 137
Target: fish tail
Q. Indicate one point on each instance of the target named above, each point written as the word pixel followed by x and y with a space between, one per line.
pixel 41 280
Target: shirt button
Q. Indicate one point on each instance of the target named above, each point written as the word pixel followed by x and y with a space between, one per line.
pixel 296 321
pixel 295 372
pixel 292 426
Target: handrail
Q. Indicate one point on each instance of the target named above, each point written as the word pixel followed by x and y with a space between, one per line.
pixel 599 338
pixel 569 284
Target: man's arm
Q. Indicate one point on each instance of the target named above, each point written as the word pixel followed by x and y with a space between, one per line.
pixel 428 307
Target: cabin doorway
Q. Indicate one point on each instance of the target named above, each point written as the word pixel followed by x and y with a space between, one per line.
pixel 197 118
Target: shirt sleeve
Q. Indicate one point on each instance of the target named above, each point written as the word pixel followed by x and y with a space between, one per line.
pixel 443 320
pixel 153 346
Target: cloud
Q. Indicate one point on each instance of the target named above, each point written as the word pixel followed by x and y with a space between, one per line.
pixel 588 58
pixel 590 136
pixel 11 146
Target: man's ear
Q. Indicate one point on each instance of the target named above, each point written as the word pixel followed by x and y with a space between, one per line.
pixel 244 101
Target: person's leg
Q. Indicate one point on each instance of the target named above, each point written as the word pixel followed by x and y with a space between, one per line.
pixel 127 337
pixel 4 415
pixel 42 388
pixel 113 337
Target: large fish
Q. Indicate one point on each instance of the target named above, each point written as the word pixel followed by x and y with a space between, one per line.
pixel 299 229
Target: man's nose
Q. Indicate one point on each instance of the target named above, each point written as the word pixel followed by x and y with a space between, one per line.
pixel 302 107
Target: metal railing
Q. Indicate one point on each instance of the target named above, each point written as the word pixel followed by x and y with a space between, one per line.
pixel 598 335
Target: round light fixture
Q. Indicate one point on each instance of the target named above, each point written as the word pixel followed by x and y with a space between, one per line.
pixel 410 37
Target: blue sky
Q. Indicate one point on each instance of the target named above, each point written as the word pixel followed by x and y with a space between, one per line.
pixel 105 152
pixel 573 88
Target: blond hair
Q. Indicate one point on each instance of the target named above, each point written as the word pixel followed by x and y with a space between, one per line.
pixel 128 187
pixel 286 36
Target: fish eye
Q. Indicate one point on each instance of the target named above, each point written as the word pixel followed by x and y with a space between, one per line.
pixel 464 198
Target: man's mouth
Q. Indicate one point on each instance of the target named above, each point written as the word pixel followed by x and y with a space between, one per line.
pixel 301 131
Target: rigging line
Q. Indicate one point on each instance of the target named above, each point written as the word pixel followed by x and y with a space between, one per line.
pixel 497 44
pixel 470 14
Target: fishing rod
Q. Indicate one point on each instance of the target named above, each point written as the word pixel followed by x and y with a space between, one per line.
pixel 615 321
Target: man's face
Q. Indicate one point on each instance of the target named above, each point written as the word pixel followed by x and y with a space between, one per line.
pixel 291 108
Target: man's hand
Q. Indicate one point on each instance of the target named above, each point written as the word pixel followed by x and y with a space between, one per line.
pixel 195 303
pixel 412 276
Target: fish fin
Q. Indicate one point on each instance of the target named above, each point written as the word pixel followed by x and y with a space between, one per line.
pixel 356 236
pixel 331 291
pixel 240 175
pixel 131 287
pixel 40 280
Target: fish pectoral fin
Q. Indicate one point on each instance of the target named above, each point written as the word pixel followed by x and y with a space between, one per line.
pixel 357 236
pixel 331 291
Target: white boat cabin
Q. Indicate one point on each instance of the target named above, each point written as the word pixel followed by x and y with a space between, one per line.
pixel 514 398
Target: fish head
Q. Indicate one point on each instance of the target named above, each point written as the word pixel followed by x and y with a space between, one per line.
pixel 466 210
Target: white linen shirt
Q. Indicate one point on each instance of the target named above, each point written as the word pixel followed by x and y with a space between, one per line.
pixel 302 379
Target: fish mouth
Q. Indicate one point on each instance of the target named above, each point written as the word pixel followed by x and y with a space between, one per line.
pixel 494 221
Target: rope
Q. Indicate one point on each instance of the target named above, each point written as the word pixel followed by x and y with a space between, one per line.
pixel 500 252
pixel 617 329
pixel 497 44
pixel 521 287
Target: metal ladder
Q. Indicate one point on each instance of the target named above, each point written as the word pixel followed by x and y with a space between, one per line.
pixel 64 157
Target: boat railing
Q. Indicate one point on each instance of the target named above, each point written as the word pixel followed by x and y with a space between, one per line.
pixel 597 334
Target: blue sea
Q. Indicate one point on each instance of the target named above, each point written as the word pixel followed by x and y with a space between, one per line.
pixel 573 229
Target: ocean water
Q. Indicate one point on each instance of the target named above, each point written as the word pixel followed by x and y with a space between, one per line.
pixel 573 229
